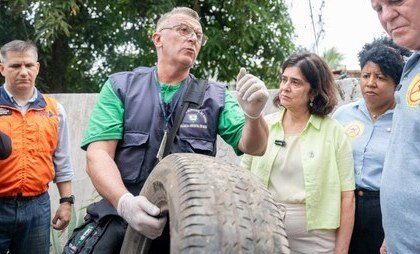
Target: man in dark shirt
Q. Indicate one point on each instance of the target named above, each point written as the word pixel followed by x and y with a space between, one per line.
pixel 5 146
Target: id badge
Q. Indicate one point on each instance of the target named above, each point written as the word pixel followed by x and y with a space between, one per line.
pixel 162 146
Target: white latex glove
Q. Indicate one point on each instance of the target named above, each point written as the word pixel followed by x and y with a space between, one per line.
pixel 252 94
pixel 141 214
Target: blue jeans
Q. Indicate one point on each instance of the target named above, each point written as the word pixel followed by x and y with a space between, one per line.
pixel 25 225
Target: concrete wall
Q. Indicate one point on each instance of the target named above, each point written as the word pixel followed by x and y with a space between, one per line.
pixel 79 108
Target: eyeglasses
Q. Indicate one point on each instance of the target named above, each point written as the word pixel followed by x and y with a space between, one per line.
pixel 188 31
pixel 293 82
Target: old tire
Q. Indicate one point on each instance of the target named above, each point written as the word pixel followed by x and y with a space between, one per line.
pixel 213 208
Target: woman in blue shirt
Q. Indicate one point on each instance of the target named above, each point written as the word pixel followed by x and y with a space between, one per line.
pixel 368 124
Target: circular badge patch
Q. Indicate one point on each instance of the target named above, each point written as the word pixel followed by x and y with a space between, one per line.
pixel 354 129
pixel 413 92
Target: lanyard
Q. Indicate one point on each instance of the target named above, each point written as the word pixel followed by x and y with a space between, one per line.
pixel 176 99
pixel 166 117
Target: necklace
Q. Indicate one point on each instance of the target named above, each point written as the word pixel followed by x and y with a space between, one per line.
pixel 375 116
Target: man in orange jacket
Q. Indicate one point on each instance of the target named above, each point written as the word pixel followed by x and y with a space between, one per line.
pixel 37 127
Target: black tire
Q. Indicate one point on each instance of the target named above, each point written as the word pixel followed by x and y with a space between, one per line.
pixel 213 208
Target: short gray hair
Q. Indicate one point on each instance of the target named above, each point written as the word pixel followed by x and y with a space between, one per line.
pixel 18 46
pixel 177 10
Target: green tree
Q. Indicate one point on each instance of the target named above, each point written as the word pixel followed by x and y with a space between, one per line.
pixel 82 41
pixel 333 58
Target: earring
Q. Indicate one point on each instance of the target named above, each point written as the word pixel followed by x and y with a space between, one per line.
pixel 311 103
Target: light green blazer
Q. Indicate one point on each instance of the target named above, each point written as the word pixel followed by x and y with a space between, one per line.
pixel 327 161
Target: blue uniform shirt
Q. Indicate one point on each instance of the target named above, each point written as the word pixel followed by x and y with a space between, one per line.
pixel 369 141
pixel 400 189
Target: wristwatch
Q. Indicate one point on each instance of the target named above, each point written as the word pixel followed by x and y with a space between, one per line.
pixel 67 199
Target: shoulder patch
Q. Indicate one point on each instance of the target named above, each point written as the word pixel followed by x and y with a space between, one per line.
pixel 45 113
pixel 413 92
pixel 5 112
pixel 354 129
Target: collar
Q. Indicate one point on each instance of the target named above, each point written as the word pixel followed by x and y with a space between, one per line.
pixel 184 81
pixel 11 97
pixel 361 105
pixel 277 118
pixel 315 121
pixel 411 62
pixel 37 101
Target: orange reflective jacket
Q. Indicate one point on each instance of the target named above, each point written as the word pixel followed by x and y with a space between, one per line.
pixel 30 167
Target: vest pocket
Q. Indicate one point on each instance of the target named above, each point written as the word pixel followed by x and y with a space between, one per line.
pixel 200 146
pixel 131 154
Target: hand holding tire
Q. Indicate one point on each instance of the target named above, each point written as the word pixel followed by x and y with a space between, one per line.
pixel 210 205
pixel 141 215
pixel 252 94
